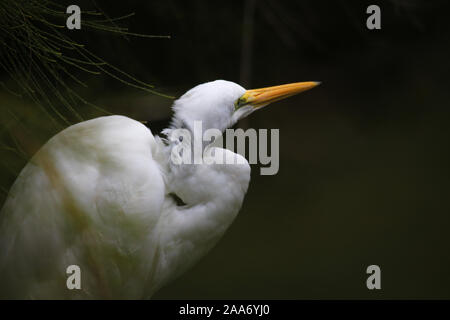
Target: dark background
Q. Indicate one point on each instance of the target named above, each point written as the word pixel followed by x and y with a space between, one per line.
pixel 364 158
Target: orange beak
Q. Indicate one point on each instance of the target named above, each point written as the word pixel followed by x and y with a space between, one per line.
pixel 262 97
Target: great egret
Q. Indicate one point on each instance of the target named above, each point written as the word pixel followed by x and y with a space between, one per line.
pixel 99 195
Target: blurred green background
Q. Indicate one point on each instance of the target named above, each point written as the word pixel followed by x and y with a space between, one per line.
pixel 364 158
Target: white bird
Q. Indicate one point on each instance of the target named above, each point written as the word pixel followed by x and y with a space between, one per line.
pixel 99 195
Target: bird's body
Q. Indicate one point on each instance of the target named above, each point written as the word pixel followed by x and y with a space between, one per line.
pixel 105 184
pixel 99 195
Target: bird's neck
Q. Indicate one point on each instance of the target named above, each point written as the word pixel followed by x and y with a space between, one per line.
pixel 191 233
pixel 213 195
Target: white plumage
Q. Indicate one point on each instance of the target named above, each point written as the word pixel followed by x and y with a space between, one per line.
pixel 98 195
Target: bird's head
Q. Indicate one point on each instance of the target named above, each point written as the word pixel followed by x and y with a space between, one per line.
pixel 220 104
